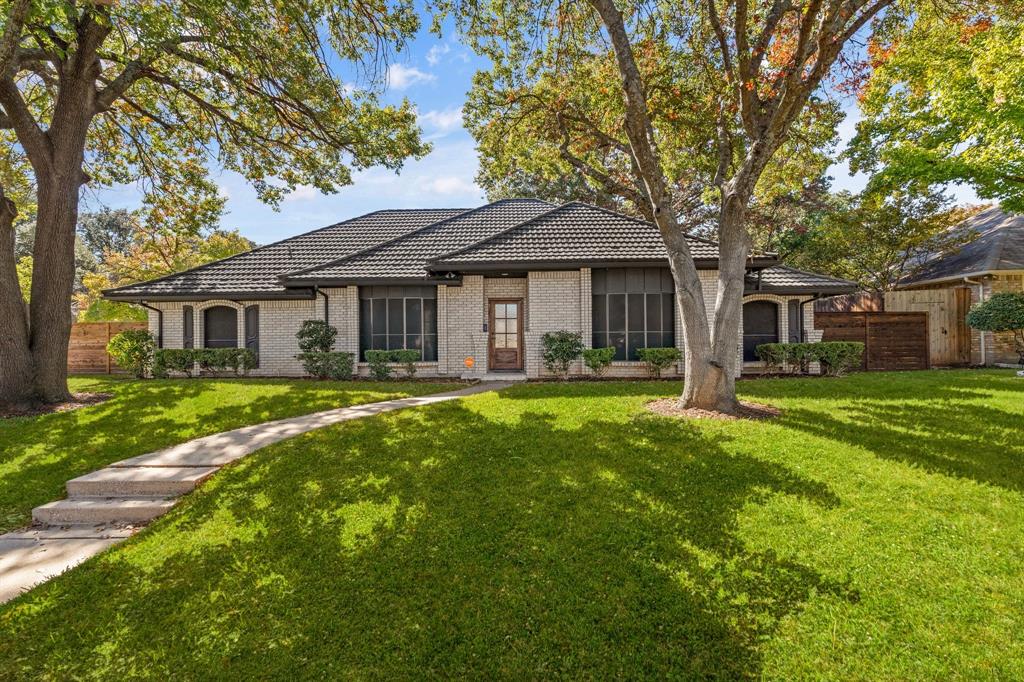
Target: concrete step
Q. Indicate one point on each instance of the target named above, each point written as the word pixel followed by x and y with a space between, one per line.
pixel 139 482
pixel 96 510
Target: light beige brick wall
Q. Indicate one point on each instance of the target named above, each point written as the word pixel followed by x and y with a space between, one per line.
pixel 464 328
pixel 554 304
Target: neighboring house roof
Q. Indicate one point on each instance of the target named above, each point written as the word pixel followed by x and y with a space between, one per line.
pixel 406 257
pixel 257 271
pixel 992 241
pixel 782 279
pixel 415 245
pixel 574 234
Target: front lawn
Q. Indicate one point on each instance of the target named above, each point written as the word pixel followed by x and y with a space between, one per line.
pixel 874 531
pixel 39 454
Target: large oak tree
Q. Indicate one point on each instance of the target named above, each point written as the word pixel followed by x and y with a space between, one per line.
pixel 740 76
pixel 145 91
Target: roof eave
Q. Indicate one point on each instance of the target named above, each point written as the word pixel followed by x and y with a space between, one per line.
pixel 200 295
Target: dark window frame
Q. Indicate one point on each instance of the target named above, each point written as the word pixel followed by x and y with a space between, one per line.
pixel 625 302
pixel 214 310
pixel 252 331
pixel 386 314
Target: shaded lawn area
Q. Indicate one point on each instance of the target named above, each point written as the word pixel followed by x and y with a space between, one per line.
pixel 875 531
pixel 39 454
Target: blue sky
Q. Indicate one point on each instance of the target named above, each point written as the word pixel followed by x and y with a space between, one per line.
pixel 435 74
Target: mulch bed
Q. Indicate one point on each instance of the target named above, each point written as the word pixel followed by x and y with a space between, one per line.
pixel 78 400
pixel 669 407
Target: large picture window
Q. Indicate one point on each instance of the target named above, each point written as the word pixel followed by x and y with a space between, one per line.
pixel 633 308
pixel 392 318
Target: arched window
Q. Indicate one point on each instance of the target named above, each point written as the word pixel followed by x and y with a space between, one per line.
pixel 760 325
pixel 220 327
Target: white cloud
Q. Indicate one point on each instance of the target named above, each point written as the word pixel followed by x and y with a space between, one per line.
pixel 450 185
pixel 435 53
pixel 442 120
pixel 401 77
pixel 302 193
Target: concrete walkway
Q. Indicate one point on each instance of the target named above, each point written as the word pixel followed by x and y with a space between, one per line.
pixel 106 506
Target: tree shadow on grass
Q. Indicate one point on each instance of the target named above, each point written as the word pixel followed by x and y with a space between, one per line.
pixel 38 455
pixel 443 542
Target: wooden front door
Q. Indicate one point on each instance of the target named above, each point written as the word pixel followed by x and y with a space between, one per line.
pixel 505 345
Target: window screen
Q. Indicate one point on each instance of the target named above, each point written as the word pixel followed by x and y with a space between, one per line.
pixel 393 318
pixel 633 308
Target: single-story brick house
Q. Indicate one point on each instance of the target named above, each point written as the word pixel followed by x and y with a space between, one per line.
pixel 988 260
pixel 475 290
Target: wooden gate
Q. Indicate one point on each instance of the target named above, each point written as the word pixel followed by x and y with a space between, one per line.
pixel 949 338
pixel 892 341
pixel 87 349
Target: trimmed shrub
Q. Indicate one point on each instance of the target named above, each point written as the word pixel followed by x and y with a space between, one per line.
pixel 839 357
pixel 236 360
pixel 167 360
pixel 133 350
pixel 378 361
pixel 561 348
pixel 1002 312
pixel 407 358
pixel 598 359
pixel 658 359
pixel 316 336
pixel 335 365
pixel 836 357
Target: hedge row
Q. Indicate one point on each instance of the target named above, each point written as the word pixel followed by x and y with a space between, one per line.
pixel 381 361
pixel 836 357
pixel 183 360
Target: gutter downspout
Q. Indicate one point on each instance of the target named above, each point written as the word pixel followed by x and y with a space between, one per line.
pixel 803 316
pixel 981 299
pixel 327 304
pixel 159 323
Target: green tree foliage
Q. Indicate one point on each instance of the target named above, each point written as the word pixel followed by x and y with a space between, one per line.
pixel 151 93
pixel 876 238
pixel 133 350
pixel 945 103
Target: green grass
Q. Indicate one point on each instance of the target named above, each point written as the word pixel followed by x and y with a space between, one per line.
pixel 39 454
pixel 875 531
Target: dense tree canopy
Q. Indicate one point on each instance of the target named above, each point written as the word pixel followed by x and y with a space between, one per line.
pixel 284 93
pixel 945 102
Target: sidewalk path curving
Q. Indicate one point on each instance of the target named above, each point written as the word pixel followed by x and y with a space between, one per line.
pixel 106 506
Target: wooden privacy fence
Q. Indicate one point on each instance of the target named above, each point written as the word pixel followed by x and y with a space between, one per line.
pixel 892 341
pixel 949 337
pixel 87 350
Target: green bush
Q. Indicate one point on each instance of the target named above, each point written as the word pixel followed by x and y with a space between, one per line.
pixel 658 359
pixel 335 365
pixel 1002 312
pixel 133 350
pixel 598 359
pixel 316 336
pixel 378 361
pixel 836 357
pixel 407 358
pixel 167 360
pixel 236 360
pixel 561 348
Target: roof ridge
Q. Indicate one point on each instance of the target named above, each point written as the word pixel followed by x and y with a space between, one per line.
pixel 501 233
pixel 370 249
pixel 267 246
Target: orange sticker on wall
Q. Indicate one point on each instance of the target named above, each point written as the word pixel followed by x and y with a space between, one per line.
pixel 469 362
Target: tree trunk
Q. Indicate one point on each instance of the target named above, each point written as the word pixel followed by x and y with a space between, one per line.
pixel 53 279
pixel 16 366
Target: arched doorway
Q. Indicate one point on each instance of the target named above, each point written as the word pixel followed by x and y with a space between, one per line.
pixel 220 327
pixel 760 325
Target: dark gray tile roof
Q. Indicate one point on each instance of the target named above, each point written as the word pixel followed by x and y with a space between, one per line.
pixel 784 279
pixel 573 233
pixel 992 241
pixel 406 257
pixel 257 271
